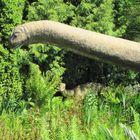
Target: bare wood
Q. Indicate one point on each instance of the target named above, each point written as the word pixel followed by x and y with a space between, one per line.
pixel 83 42
pixel 80 91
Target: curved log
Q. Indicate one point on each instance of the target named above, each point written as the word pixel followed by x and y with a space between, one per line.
pixel 83 42
pixel 80 91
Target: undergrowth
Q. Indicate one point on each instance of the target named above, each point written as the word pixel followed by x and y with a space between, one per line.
pixel 96 118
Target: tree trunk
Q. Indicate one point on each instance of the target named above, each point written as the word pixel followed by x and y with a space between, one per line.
pixel 83 42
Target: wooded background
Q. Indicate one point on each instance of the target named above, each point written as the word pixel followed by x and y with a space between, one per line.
pixel 23 72
pixel 30 76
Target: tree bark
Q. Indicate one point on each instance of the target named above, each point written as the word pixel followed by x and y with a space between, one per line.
pixel 86 43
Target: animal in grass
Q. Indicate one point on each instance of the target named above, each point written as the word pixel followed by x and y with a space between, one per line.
pixel 83 42
pixel 80 91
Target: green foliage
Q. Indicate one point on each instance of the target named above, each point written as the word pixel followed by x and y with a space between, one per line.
pixel 133 30
pixel 61 122
pixel 120 18
pixel 10 82
pixel 107 17
pixel 129 133
pixel 22 82
pixel 11 15
pixel 48 10
pixel 41 88
pixel 29 77
pixel 90 106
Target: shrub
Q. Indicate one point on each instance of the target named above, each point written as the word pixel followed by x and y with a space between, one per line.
pixel 11 15
pixel 41 88
pixel 10 82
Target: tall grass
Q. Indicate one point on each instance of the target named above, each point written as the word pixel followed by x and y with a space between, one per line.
pixel 96 119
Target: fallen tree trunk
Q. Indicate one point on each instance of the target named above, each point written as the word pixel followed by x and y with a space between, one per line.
pixel 83 42
pixel 79 92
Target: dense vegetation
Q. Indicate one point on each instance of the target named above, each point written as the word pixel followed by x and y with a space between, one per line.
pixel 30 76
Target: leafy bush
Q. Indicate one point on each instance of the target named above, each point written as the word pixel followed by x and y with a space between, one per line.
pixel 90 106
pixel 11 15
pixel 22 82
pixel 29 77
pixel 10 82
pixel 61 122
pixel 41 88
